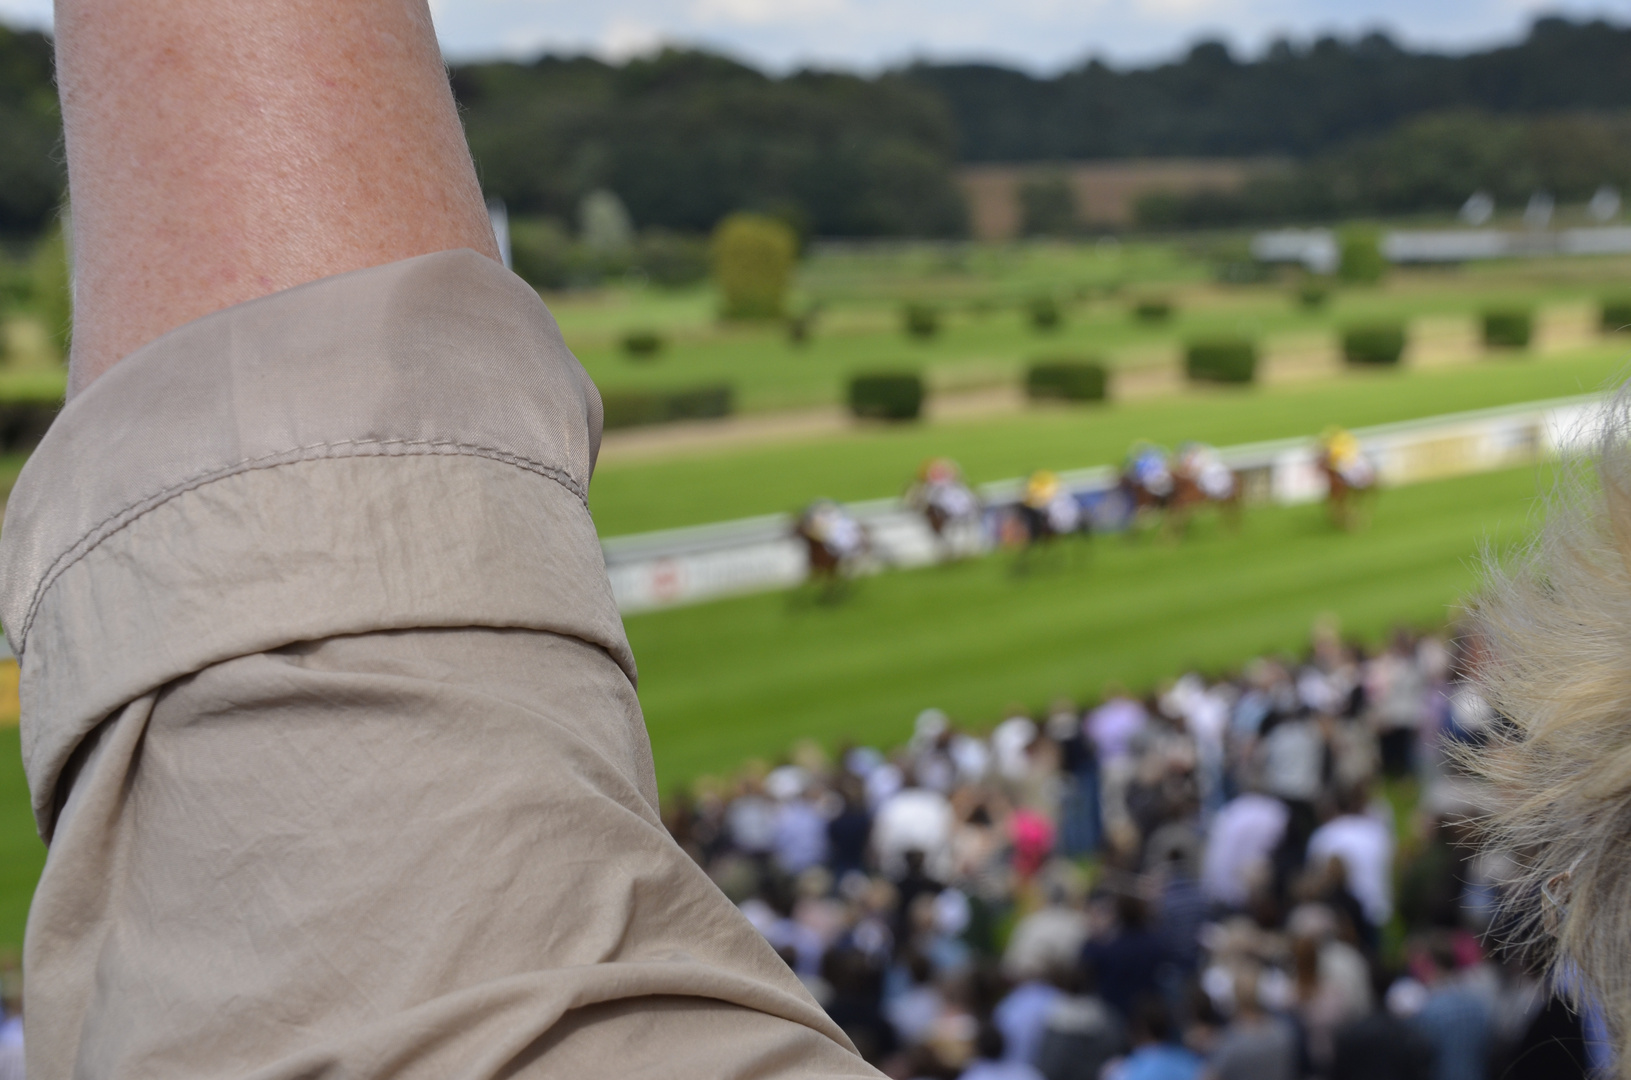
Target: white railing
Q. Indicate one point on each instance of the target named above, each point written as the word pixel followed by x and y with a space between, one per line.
pixel 705 562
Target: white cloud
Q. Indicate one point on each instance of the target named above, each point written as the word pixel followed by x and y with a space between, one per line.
pixel 31 13
pixel 624 37
pixel 1041 35
pixel 765 12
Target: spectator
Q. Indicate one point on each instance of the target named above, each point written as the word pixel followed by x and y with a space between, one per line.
pixel 1022 1017
pixel 1129 958
pixel 992 1060
pixel 1454 1019
pixel 1155 1055
pixel 1365 847
pixel 1380 1045
pixel 1256 1045
pixel 1081 1033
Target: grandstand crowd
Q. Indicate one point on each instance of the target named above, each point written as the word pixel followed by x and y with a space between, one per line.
pixel 1261 876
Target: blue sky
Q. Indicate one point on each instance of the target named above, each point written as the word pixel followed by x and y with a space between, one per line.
pixel 1040 35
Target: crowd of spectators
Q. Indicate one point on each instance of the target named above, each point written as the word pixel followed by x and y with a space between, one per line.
pixel 1260 876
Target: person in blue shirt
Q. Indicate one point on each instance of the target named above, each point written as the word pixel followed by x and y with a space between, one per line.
pixel 1155 1055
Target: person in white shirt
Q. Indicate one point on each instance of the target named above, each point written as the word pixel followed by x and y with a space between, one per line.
pixel 1365 847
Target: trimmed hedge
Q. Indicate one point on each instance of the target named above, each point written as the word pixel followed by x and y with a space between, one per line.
pixel 1508 328
pixel 642 344
pixel 1044 313
pixel 1067 380
pixel 920 321
pixel 1221 360
pixel 632 408
pixel 1373 343
pixel 1616 314
pixel 887 396
pixel 1153 309
pixel 1313 295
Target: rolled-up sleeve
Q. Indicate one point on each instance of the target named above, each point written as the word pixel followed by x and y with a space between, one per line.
pixel 330 724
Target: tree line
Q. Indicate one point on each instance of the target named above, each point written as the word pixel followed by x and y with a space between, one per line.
pixel 684 138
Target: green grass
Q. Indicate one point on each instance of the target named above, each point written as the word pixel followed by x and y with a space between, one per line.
pixel 21 853
pixel 876 462
pixel 727 681
pixel 985 337
pixel 23 385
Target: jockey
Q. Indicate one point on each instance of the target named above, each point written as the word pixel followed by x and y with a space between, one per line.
pixel 833 527
pixel 940 485
pixel 1343 455
pixel 1147 467
pixel 1046 499
pixel 1201 465
pixel 1041 488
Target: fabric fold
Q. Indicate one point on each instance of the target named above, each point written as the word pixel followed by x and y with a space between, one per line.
pixel 174 517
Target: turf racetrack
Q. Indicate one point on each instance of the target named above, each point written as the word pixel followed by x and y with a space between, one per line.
pixel 744 678
pixel 731 680
pixel 877 461
pixel 21 853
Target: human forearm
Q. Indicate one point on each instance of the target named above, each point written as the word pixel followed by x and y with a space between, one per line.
pixel 221 150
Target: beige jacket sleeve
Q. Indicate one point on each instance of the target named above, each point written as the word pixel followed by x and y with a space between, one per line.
pixel 330 721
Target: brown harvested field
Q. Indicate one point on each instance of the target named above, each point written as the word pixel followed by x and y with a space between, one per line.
pixel 1106 192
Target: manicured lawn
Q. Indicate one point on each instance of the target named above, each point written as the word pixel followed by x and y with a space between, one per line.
pixel 696 488
pixel 985 336
pixel 21 853
pixel 727 681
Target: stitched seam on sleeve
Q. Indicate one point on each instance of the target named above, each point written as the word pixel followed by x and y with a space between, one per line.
pixel 293 456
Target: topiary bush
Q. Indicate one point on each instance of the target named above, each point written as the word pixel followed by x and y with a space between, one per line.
pixel 1313 295
pixel 1508 328
pixel 1044 313
pixel 642 344
pixel 1361 255
pixel 1221 360
pixel 632 408
pixel 887 396
pixel 753 258
pixel 921 321
pixel 1616 314
pixel 1067 379
pixel 1373 343
pixel 1153 309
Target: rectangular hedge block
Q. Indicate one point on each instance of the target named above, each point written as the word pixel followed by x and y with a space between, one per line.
pixel 1067 380
pixel 886 396
pixel 633 408
pixel 1373 343
pixel 1221 360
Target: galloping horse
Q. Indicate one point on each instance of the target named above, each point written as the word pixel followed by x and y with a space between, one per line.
pixel 1046 510
pixel 1200 478
pixel 835 541
pixel 1350 477
pixel 949 506
pixel 1147 482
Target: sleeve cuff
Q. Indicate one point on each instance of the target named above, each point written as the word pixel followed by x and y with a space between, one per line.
pixel 402 447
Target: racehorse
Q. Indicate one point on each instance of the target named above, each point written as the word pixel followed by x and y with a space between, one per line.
pixel 1046 510
pixel 1147 482
pixel 949 506
pixel 1349 476
pixel 1200 478
pixel 835 543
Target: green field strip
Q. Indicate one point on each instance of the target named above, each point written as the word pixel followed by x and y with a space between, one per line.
pixel 741 678
pixel 21 852
pixel 702 487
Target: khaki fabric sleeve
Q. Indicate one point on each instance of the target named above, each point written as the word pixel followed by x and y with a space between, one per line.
pixel 330 722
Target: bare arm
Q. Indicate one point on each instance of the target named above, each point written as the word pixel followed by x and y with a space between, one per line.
pixel 222 150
